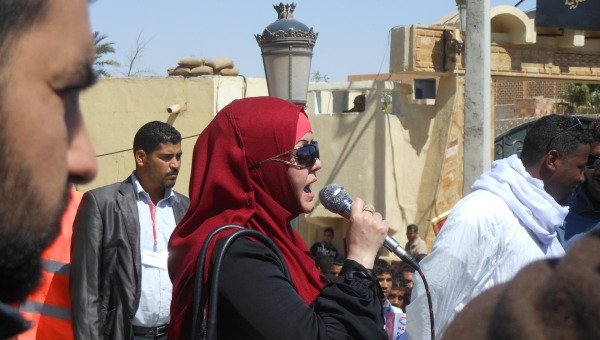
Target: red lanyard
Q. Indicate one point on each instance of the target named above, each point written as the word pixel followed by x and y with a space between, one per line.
pixel 153 216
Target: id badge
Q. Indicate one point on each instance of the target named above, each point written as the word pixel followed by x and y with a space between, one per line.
pixel 152 259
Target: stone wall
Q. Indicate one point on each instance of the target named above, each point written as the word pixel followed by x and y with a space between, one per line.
pixel 431 52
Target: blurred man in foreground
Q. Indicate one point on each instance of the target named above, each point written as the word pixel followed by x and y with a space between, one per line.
pixel 46 53
pixel 48 307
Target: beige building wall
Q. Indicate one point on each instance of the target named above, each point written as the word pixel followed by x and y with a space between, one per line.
pixel 116 108
pixel 391 160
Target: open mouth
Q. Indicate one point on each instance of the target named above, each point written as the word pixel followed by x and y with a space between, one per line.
pixel 307 189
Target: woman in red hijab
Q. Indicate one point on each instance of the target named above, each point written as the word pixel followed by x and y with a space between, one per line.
pixel 254 165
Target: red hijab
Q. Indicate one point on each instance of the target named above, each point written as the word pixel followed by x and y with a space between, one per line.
pixel 223 191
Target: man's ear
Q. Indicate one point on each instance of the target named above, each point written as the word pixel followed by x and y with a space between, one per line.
pixel 551 160
pixel 140 157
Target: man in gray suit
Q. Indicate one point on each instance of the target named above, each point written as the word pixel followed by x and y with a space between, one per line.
pixel 120 287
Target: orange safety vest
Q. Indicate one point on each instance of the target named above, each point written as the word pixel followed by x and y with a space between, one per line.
pixel 49 307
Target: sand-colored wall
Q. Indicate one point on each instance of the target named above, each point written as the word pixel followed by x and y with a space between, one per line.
pixel 116 108
pixel 392 160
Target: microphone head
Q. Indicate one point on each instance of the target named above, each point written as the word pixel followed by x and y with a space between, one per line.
pixel 334 198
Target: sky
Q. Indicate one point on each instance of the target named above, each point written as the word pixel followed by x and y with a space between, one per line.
pixel 353 35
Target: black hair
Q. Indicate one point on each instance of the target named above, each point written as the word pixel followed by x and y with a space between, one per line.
pixel 412 227
pixel 324 263
pixel 553 132
pixel 338 262
pixel 328 230
pixel 398 284
pixel 16 16
pixel 151 135
pixel 361 98
pixel 381 267
pixel 407 296
pixel 594 130
pixel 406 268
pixel 397 279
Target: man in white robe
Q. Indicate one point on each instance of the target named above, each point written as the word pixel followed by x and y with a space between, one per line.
pixel 508 221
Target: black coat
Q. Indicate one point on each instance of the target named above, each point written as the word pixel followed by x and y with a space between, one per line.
pixel 105 281
pixel 256 301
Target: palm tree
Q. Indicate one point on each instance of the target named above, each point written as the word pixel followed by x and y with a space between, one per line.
pixel 318 77
pixel 585 97
pixel 103 48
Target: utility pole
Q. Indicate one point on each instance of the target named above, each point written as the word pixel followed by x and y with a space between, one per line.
pixel 477 157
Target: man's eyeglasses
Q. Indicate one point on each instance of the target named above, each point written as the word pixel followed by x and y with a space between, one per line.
pixel 302 157
pixel 577 124
pixel 593 162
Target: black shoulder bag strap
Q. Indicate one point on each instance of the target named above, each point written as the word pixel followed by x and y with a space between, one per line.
pixel 201 327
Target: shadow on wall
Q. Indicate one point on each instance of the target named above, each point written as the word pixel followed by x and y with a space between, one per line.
pixel 418 122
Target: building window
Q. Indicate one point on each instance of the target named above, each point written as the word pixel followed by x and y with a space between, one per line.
pixel 424 88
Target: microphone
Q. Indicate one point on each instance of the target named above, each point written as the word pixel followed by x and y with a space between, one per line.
pixel 335 199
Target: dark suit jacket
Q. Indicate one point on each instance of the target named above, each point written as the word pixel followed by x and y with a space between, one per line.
pixel 105 279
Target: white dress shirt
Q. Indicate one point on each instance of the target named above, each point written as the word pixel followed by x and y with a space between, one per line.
pixel 156 290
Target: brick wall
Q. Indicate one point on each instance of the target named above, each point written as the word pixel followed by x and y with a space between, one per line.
pixel 527 98
pixel 507 91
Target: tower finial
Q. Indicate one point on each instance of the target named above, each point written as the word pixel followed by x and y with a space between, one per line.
pixel 285 11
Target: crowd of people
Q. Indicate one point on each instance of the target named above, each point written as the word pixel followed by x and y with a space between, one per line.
pixel 396 278
pixel 122 261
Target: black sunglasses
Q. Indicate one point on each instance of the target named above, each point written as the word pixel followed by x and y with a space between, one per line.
pixel 577 124
pixel 593 162
pixel 302 157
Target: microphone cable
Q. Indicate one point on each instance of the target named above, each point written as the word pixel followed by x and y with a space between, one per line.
pixel 430 304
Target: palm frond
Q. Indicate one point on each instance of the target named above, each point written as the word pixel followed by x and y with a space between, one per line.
pixel 102 49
